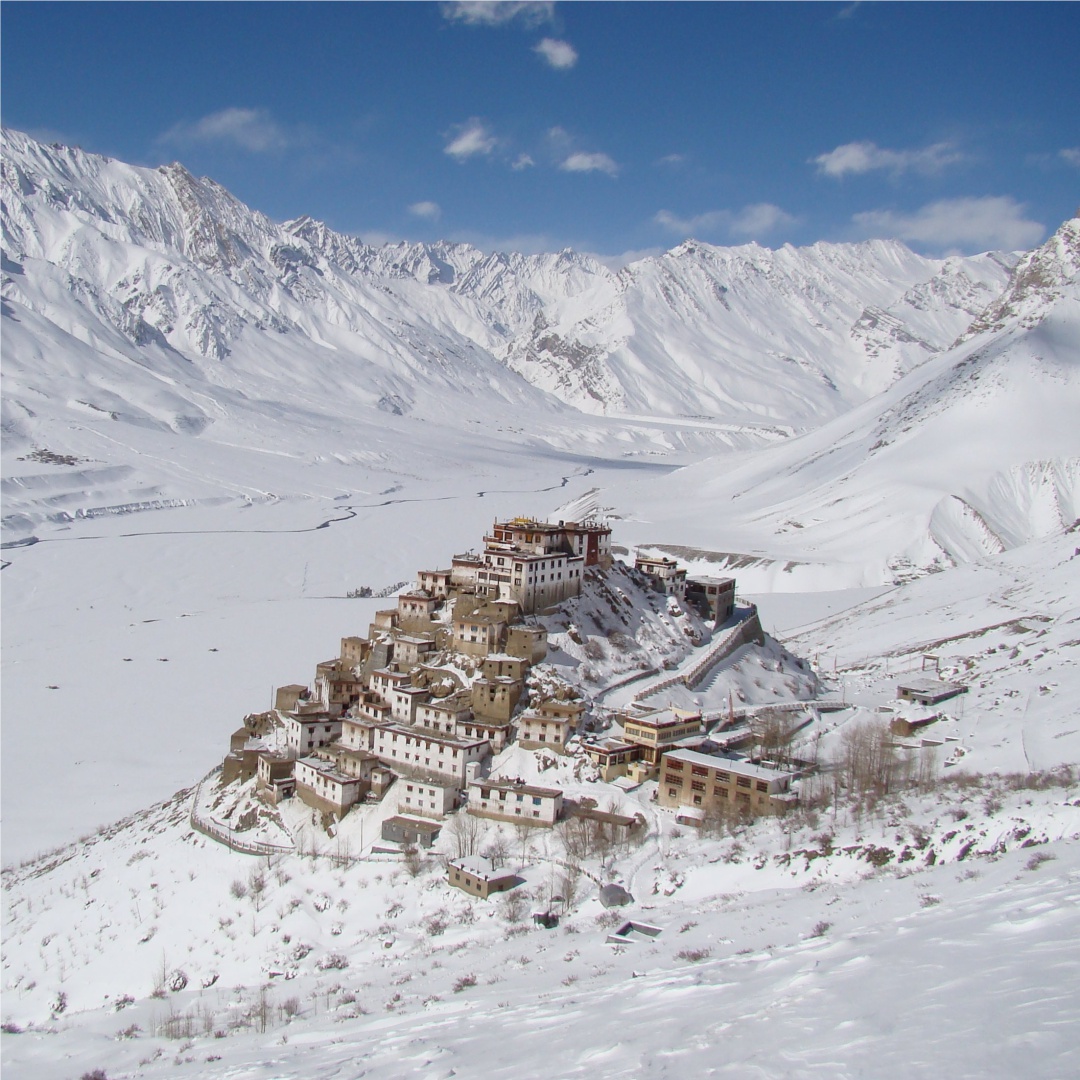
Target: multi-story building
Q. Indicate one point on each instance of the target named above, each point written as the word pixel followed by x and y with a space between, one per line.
pixel 320 785
pixel 722 784
pixel 549 725
pixel 713 597
pixel 415 752
pixel 665 574
pixel 660 730
pixel 506 800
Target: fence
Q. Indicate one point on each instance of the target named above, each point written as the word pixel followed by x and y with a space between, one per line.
pixel 227 836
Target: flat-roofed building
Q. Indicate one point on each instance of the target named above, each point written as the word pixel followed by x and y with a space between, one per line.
pixel 713 597
pixel 320 785
pixel 665 574
pixel 307 731
pixel 425 796
pixel 495 699
pixel 725 784
pixel 527 641
pixel 613 757
pixel 927 691
pixel 410 831
pixel 412 751
pixel 436 583
pixel 411 650
pixel 549 725
pixel 508 800
pixel 660 730
pixel 477 876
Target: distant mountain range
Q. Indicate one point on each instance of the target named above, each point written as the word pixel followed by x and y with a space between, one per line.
pixel 158 264
pixel 151 320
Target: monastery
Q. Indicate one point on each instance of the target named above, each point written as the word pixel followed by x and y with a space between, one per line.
pixel 416 710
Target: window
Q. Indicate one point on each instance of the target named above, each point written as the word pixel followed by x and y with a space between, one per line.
pixel 672 793
pixel 743 781
pixel 720 792
pixel 762 786
pixel 700 770
pixel 697 785
pixel 670 779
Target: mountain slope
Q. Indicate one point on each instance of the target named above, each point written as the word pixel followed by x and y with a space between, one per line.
pixel 973 453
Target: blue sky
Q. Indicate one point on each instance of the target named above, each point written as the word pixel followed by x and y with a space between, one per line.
pixel 606 127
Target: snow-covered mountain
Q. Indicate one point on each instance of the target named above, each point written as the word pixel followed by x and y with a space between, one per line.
pixel 974 453
pixel 159 269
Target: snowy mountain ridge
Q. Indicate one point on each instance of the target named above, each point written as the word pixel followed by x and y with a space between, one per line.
pixel 167 258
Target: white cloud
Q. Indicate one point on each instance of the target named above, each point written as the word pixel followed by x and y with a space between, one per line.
pixel 250 129
pixel 970 224
pixel 522 161
pixel 426 209
pixel 471 138
pixel 757 219
pixel 672 159
pixel 559 54
pixel 497 12
pixel 864 157
pixel 1071 154
pixel 582 162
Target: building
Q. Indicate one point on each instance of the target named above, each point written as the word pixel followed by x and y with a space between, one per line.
pixel 435 583
pixel 495 699
pixel 428 798
pixel 660 730
pixel 713 597
pixel 508 800
pixel 275 777
pixel 414 752
pixel 527 641
pixel 412 832
pixel 477 876
pixel 665 574
pixel 309 728
pixel 549 725
pixel 538 564
pixel 613 757
pixel 721 784
pixel 286 697
pixel 927 691
pixel 321 786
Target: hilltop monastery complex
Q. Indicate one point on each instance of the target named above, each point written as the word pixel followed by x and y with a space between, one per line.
pixel 416 710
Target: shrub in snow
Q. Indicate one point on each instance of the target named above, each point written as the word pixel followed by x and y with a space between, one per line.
pixel 333 962
pixel 238 889
pixel 820 929
pixel 322 902
pixel 177 981
pixel 694 955
pixel 464 983
pixel 1038 859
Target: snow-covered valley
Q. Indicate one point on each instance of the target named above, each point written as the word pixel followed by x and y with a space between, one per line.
pixel 215 427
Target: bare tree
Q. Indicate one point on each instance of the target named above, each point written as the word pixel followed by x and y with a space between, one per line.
pixel 498 851
pixel 465 832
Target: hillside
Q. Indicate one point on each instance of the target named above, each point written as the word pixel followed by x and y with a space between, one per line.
pixel 972 454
